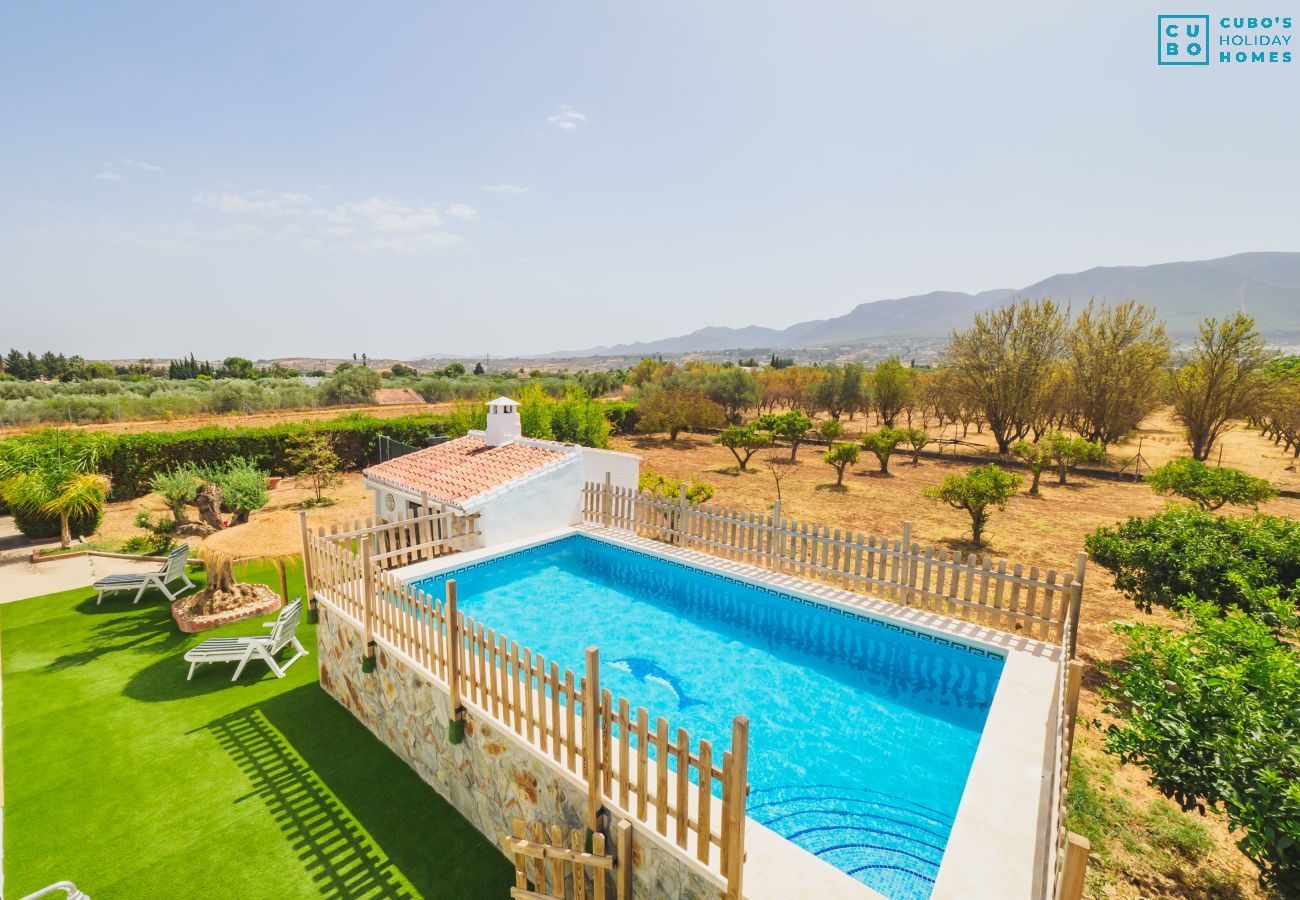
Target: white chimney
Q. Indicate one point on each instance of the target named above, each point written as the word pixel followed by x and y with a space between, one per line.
pixel 502 421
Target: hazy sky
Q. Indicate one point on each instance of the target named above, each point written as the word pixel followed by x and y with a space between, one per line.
pixel 278 179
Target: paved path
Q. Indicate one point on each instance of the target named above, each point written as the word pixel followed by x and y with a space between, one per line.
pixel 20 578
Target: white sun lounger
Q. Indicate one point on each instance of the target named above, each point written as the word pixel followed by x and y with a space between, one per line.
pixel 168 572
pixel 264 647
pixel 68 888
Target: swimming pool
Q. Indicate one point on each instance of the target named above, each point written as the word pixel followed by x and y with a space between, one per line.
pixel 862 731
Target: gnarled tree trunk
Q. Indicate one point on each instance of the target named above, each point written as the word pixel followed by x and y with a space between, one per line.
pixel 208 502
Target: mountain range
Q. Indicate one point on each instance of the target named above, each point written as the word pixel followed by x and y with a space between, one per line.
pixel 1263 285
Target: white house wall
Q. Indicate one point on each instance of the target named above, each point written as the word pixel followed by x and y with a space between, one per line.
pixel 549 499
pixel 624 468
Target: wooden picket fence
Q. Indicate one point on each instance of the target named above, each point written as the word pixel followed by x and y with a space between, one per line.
pixel 547 864
pixel 968 586
pixel 610 746
pixel 1068 860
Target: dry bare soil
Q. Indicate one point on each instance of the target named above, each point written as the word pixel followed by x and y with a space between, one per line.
pixel 1155 852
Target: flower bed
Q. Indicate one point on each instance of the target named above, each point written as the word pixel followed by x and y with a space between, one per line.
pixel 258 600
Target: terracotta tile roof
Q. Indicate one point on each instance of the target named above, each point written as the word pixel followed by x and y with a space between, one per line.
pixel 464 468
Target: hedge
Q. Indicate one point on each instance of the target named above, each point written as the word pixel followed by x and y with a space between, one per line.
pixel 131 460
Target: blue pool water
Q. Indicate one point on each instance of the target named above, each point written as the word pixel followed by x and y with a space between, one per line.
pixel 861 733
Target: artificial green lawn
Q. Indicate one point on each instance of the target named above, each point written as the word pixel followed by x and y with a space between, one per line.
pixel 127 779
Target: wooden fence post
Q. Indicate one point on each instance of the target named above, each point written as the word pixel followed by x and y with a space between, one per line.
pixel 778 542
pixel 624 889
pixel 1076 601
pixel 1076 865
pixel 313 615
pixel 606 500
pixel 1073 681
pixel 734 790
pixel 424 529
pixel 591 738
pixel 456 727
pixel 679 517
pixel 367 608
pixel 905 563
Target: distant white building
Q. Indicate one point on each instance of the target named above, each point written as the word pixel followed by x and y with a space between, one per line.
pixel 517 486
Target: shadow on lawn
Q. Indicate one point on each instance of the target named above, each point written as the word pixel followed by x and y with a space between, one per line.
pixel 362 822
pixel 145 628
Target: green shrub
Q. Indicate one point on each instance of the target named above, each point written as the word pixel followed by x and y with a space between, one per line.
pixel 1210 488
pixel 652 482
pixel 38 525
pixel 1183 551
pixel 1212 710
pixel 622 415
pixel 350 386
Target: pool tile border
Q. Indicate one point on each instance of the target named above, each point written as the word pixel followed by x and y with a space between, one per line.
pixel 783 594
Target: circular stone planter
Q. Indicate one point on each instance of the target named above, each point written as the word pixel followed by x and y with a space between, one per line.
pixel 268 602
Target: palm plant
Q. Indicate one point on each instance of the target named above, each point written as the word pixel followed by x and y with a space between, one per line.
pixel 59 481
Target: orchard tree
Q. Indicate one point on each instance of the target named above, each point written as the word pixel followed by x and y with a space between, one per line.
pixel 891 390
pixel 831 430
pixel 1066 451
pixel 976 491
pixel 792 426
pixel 733 389
pixel 743 441
pixel 1182 551
pixel 1036 458
pixel 917 439
pixel 1222 379
pixel 840 457
pixel 1117 356
pixel 841 390
pixel 883 443
pixel 677 409
pixel 1004 363
pixel 1210 488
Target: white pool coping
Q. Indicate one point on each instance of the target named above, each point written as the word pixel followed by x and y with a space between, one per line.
pixel 1000 836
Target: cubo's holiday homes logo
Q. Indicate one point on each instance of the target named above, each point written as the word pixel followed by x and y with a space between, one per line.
pixel 1185 40
pixel 1182 40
